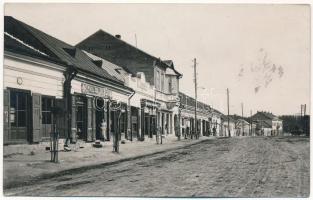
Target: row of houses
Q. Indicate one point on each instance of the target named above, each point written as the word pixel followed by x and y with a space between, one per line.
pixel 95 89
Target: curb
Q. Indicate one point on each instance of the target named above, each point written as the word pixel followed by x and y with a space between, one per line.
pixel 40 177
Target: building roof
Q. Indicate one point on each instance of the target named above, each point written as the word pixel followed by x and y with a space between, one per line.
pixel 111 68
pixel 33 42
pixel 190 101
pixel 264 124
pixel 225 118
pixel 170 64
pixel 115 50
pixel 261 115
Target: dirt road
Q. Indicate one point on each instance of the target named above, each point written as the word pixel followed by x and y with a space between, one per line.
pixel 228 167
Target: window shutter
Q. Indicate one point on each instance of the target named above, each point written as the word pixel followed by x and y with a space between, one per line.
pixel 6 115
pixel 36 102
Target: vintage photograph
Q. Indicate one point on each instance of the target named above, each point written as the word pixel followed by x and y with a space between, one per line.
pixel 156 100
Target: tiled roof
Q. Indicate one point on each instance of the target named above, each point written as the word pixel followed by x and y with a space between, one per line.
pixel 264 115
pixel 112 69
pixel 131 58
pixel 190 101
pixel 52 47
pixel 225 118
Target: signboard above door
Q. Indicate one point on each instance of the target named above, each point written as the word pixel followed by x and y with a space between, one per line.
pixel 95 90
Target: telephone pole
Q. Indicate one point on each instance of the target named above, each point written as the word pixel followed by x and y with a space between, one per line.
pixel 196 86
pixel 251 123
pixel 228 112
pixel 304 122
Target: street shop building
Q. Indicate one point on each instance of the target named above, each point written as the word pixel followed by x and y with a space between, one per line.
pixel 187 116
pixel 50 86
pixel 155 82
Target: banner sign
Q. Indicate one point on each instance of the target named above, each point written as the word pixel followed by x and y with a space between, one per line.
pixel 95 90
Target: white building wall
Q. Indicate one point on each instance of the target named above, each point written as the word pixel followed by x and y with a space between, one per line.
pixel 39 78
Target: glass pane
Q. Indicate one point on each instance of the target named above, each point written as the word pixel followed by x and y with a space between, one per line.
pixel 21 120
pixel 49 118
pixel 44 118
pixel 13 117
pixel 49 104
pixel 43 104
pixel 21 101
pixel 79 114
pixel 13 99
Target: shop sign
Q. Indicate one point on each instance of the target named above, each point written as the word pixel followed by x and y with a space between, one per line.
pixel 95 90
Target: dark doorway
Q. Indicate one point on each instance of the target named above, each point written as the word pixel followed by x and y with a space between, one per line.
pixel 100 117
pixel 162 124
pixel 153 126
pixel 134 122
pixel 19 115
pixel 81 118
pixel 203 127
pixel 147 123
pixel 47 104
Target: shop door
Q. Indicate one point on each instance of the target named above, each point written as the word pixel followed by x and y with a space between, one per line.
pixel 99 118
pixel 147 124
pixel 19 117
pixel 47 104
pixel 153 126
pixel 162 124
pixel 134 122
pixel 81 121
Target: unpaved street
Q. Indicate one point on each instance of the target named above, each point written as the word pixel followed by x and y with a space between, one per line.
pixel 226 167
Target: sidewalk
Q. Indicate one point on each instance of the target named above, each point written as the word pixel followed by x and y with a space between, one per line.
pixel 22 163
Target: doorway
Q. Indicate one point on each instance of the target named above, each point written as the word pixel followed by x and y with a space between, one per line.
pixel 47 104
pixel 19 115
pixel 81 118
pixel 100 116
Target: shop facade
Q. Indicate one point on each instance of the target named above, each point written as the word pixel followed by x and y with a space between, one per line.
pixel 31 89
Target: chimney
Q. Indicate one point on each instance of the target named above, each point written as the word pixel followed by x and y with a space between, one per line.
pixel 118 36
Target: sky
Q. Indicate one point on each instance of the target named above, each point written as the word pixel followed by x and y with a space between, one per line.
pixel 261 53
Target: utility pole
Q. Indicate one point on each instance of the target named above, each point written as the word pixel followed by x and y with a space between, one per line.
pixel 242 124
pixel 251 123
pixel 301 118
pixel 196 86
pixel 228 112
pixel 304 122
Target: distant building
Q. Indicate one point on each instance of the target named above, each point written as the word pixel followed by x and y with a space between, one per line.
pixel 267 124
pixel 224 126
pixel 187 116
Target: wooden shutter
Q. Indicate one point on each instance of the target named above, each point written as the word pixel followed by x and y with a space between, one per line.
pixel 36 105
pixel 73 119
pixel 6 116
pixel 89 119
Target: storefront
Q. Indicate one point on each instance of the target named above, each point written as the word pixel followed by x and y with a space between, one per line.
pixel 98 112
pixel 31 90
pixel 149 111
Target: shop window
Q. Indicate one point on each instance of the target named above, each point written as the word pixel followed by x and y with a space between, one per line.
pixel 162 81
pixel 18 109
pixel 46 109
pixel 170 85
